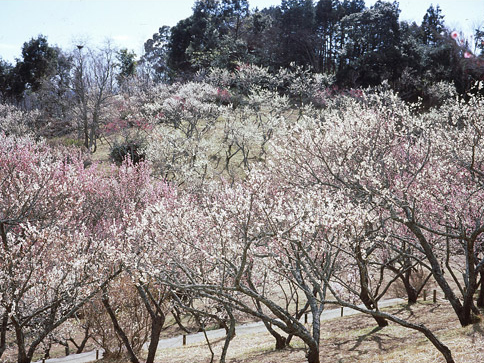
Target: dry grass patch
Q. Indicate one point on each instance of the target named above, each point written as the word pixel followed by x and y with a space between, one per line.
pixel 356 339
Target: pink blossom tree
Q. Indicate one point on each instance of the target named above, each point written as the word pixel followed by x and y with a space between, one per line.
pixel 51 263
pixel 61 227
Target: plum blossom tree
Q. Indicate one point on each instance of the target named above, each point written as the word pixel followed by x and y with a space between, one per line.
pixel 418 174
pixel 242 246
pixel 14 121
pixel 407 169
pixel 195 136
pixel 51 263
pixel 61 227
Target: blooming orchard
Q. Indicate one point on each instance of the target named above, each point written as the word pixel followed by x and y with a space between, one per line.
pixel 261 211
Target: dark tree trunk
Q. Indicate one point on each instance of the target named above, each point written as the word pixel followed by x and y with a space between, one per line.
pixel 157 320
pixel 65 344
pixel 3 333
pixel 404 273
pixel 302 312
pixel 480 298
pixel 230 334
pixel 469 311
pixel 464 315
pixel 313 354
pixel 281 341
pixel 80 347
pixel 156 326
pixel 86 132
pixel 47 351
pixel 22 356
pixel 412 293
pixel 382 322
pixel 118 329
pixel 365 293
pixel 176 314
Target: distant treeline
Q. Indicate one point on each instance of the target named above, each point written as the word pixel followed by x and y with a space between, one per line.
pixel 362 46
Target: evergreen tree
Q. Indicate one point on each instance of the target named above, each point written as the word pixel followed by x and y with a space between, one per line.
pixel 5 78
pixel 297 41
pixel 211 36
pixel 178 43
pixel 479 41
pixel 327 20
pixel 126 64
pixel 38 62
pixel 155 57
pixel 371 52
pixel 432 25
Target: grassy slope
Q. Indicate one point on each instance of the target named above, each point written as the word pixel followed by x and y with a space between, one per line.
pixel 356 339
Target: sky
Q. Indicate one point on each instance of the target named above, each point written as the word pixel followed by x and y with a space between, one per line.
pixel 129 23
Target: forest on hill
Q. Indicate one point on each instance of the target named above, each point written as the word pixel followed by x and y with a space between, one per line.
pixel 360 46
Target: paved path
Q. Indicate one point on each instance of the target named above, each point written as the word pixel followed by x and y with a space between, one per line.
pixel 258 327
pixel 244 329
pixel 76 358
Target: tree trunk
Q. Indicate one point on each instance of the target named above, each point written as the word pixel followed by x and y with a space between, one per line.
pixel 212 354
pixel 157 320
pixel 382 322
pixel 480 298
pixel 156 326
pixel 118 329
pixel 65 344
pixel 230 335
pixel 86 132
pixel 365 293
pixel 465 318
pixel 412 293
pixel 281 341
pixel 3 333
pixel 312 354
pixel 22 356
pixel 80 347
pixel 47 351
pixel 469 310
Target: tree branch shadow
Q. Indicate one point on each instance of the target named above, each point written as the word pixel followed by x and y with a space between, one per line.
pixel 364 337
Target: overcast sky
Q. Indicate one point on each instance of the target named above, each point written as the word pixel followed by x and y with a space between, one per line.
pixel 130 23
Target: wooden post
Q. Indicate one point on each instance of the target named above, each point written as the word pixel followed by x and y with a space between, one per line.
pixel 425 295
pixel 341 311
pixel 43 360
pixel 184 339
pixel 435 296
pixel 305 318
pixel 97 354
